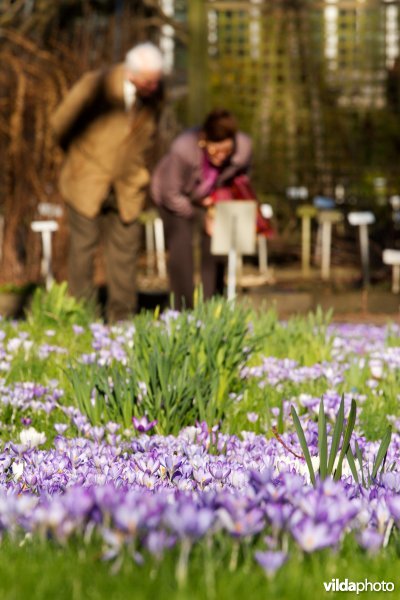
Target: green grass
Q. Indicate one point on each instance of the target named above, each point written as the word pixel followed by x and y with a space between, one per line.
pixel 302 338
pixel 202 362
pixel 44 571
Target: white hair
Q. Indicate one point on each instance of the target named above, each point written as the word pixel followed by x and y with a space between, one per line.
pixel 144 57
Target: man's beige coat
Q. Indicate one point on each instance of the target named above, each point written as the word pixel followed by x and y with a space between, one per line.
pixel 105 145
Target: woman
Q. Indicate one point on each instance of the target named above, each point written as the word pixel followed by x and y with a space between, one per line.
pixel 200 161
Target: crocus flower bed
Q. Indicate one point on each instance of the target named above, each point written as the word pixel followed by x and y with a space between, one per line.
pixel 95 457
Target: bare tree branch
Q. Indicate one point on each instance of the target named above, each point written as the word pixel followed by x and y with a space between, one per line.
pixel 180 30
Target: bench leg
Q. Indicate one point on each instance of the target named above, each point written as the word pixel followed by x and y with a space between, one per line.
pixel 396 279
pixel 262 254
pixel 160 248
pixel 318 245
pixel 326 250
pixel 305 244
pixel 46 260
pixel 232 272
pixel 364 249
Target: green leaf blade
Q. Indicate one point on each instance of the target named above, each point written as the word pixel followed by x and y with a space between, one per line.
pixel 303 443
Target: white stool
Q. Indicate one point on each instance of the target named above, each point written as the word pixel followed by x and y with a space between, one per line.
pixel 327 218
pixel 267 212
pixel 45 228
pixel 392 257
pixel 362 220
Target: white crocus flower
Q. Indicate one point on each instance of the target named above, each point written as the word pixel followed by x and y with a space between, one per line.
pixel 302 467
pixel 346 471
pixel 17 469
pixel 376 368
pixel 315 463
pixel 299 465
pixel 30 438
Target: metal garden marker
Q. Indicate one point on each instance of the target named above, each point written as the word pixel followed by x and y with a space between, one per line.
pixel 50 210
pixel 45 228
pixel 149 247
pixel 160 247
pixel 306 213
pixel 267 212
pixel 155 244
pixel 392 257
pixel 322 204
pixel 297 192
pixel 362 220
pixel 326 219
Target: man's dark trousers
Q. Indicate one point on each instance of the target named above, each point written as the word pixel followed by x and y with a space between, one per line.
pixel 121 244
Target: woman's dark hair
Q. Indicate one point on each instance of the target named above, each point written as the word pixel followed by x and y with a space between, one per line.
pixel 219 125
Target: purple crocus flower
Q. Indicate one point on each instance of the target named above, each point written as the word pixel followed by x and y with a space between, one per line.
pixel 219 470
pixel 260 479
pixel 393 503
pixel 270 561
pixel 202 477
pixel 313 536
pixel 158 541
pixel 171 465
pixel 98 433
pixel 143 425
pixel 371 540
pixel 242 524
pixel 391 481
pixel 112 427
pixel 279 514
pixel 188 521
pixel 79 501
pixel 60 428
pixel 252 417
pixel 149 465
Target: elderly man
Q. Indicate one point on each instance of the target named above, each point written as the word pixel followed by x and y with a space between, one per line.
pixel 106 125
